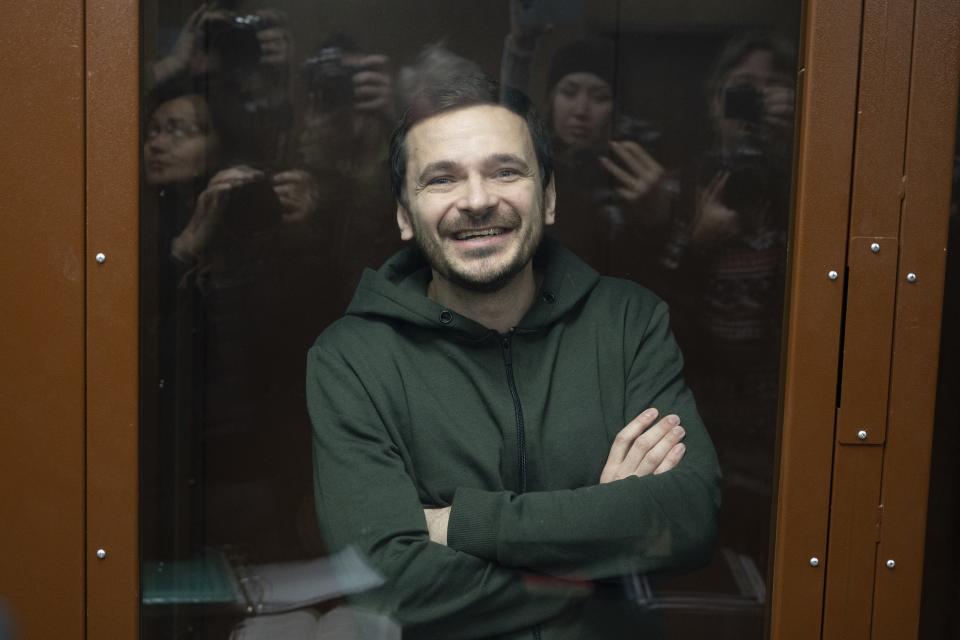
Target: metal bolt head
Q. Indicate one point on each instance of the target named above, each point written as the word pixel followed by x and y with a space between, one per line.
pixel 101 258
pixel 833 275
pixel 861 435
pixel 814 562
pixel 101 553
pixel 875 247
pixel 891 564
pixel 911 277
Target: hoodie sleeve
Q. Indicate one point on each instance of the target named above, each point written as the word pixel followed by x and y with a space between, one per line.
pixel 635 524
pixel 366 498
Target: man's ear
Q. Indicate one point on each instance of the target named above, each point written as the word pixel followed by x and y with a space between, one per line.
pixel 550 203
pixel 404 222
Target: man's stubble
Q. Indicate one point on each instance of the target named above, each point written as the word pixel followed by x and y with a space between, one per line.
pixel 494 278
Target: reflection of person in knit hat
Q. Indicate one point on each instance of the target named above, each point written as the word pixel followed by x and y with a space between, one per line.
pixel 580 114
pixel 581 94
pixel 614 197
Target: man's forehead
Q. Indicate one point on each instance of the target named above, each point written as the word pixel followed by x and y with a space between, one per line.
pixel 487 129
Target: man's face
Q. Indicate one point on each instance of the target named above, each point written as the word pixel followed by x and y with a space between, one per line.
pixel 474 202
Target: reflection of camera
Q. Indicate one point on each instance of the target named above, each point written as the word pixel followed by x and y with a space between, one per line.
pixel 328 79
pixel 251 208
pixel 235 39
pixel 643 132
pixel 743 102
pixel 630 129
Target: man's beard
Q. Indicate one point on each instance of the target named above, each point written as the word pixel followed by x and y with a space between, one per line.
pixel 487 280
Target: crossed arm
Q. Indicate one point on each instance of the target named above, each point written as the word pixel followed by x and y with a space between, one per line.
pixel 638 450
pixel 653 507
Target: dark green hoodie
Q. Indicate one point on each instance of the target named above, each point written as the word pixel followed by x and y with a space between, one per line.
pixel 414 405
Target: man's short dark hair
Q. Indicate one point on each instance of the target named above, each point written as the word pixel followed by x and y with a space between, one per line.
pixel 459 93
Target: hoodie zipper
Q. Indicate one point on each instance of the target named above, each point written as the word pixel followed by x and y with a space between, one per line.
pixel 517 409
pixel 518 412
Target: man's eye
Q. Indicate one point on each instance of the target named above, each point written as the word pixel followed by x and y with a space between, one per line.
pixel 440 180
pixel 507 173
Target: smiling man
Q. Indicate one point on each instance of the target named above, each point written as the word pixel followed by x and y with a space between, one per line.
pixel 476 207
pixel 503 432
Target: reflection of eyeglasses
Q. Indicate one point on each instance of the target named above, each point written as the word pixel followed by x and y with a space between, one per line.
pixel 176 130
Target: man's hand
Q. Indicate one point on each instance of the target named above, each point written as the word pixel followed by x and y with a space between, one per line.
pixel 437 520
pixel 640 450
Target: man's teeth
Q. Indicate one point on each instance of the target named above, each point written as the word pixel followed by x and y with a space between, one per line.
pixel 481 233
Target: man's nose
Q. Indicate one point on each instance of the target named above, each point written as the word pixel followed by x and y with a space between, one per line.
pixel 478 198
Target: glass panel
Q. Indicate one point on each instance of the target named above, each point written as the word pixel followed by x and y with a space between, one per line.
pixel 267 192
pixel 941 587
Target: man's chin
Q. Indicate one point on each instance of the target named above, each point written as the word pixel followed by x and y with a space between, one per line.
pixel 486 280
pixel 481 285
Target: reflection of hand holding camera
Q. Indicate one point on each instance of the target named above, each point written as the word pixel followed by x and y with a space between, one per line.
pixel 298 194
pixel 743 102
pixel 337 81
pixel 251 208
pixel 235 39
pixel 766 112
pixel 328 80
pixel 237 202
pixel 531 17
pixel 215 38
pixel 631 160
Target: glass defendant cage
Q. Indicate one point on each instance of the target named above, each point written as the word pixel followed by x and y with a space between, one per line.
pixel 778 173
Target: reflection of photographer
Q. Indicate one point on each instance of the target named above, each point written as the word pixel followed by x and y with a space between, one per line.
pixel 349 108
pixel 215 39
pixel 752 108
pixel 615 194
pixel 580 113
pixel 614 152
pixel 240 204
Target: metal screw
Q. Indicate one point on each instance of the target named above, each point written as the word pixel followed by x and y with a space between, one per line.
pixel 875 247
pixel 833 275
pixel 891 564
pixel 814 562
pixel 911 277
pixel 101 553
pixel 861 435
pixel 101 258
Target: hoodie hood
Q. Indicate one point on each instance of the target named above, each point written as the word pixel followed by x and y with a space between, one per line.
pixel 396 292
